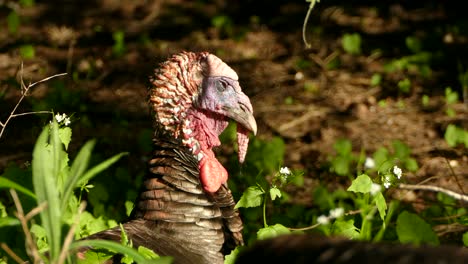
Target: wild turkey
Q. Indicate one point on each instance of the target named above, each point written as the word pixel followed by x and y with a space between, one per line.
pixel 185 208
pixel 302 249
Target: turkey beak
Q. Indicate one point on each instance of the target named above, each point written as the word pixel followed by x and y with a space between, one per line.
pixel 243 115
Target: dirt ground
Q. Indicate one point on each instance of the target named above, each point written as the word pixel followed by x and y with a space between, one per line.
pixel 309 106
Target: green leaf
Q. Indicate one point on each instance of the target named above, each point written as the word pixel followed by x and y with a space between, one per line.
pixel 116 247
pixel 275 192
pixel 381 156
pixel 413 44
pixel 45 169
pixel 272 231
pixel 345 228
pixel 13 21
pixel 343 147
pixel 404 85
pixel 65 134
pixel 9 221
pixel 376 79
pixel 231 258
pixel 411 164
pixel 411 228
pixel 465 239
pixel 94 256
pixel 6 183
pixel 252 197
pixel 340 165
pixel 352 43
pixel 147 253
pixel 77 170
pixel 379 200
pixel 362 184
pixel 27 51
pixel 455 135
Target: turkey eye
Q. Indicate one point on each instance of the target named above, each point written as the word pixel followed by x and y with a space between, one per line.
pixel 221 86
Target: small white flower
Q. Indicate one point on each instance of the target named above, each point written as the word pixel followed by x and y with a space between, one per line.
pixel 375 188
pixel 60 117
pixel 337 212
pixel 323 220
pixel 285 170
pixel 67 121
pixel 369 163
pixel 397 171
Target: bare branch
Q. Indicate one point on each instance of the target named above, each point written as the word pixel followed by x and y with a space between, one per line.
pixel 11 253
pixel 431 188
pixel 24 93
pixel 31 247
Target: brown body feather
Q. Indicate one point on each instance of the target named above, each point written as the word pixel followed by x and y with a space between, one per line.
pixel 174 216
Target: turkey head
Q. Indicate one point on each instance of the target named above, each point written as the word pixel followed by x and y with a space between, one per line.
pixel 196 107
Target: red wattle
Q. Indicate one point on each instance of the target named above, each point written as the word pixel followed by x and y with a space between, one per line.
pixel 212 174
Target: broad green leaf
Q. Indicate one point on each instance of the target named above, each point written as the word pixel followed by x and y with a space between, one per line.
pixel 65 134
pixel 345 228
pixel 381 204
pixel 381 158
pixel 411 228
pixel 341 164
pixel 147 253
pixel 6 183
pixel 13 21
pixel 343 147
pixel 27 51
pixel 45 169
pixel 252 197
pixel 411 164
pixel 272 231
pixel 465 239
pixel 231 258
pixel 352 43
pixel 274 193
pixel 362 184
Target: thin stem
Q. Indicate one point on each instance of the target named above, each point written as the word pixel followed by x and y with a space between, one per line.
pixel 11 253
pixel 23 95
pixel 31 249
pixel 264 209
pixel 306 20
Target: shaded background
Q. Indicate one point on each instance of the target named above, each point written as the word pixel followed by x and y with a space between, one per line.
pixel 307 98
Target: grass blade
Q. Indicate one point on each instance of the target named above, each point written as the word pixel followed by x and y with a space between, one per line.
pixel 45 170
pixel 77 169
pixel 6 183
pixel 100 167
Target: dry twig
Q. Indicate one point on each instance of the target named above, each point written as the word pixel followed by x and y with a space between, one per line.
pixel 432 188
pixel 31 247
pixel 25 90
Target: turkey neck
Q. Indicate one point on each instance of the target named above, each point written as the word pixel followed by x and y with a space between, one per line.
pixel 172 197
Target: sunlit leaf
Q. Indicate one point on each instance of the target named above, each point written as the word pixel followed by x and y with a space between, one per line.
pixel 252 197
pixel 362 184
pixel 272 231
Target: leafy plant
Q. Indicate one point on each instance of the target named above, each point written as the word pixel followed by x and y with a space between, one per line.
pixel 351 43
pixel 455 135
pixel 451 97
pixel 118 49
pixel 54 182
